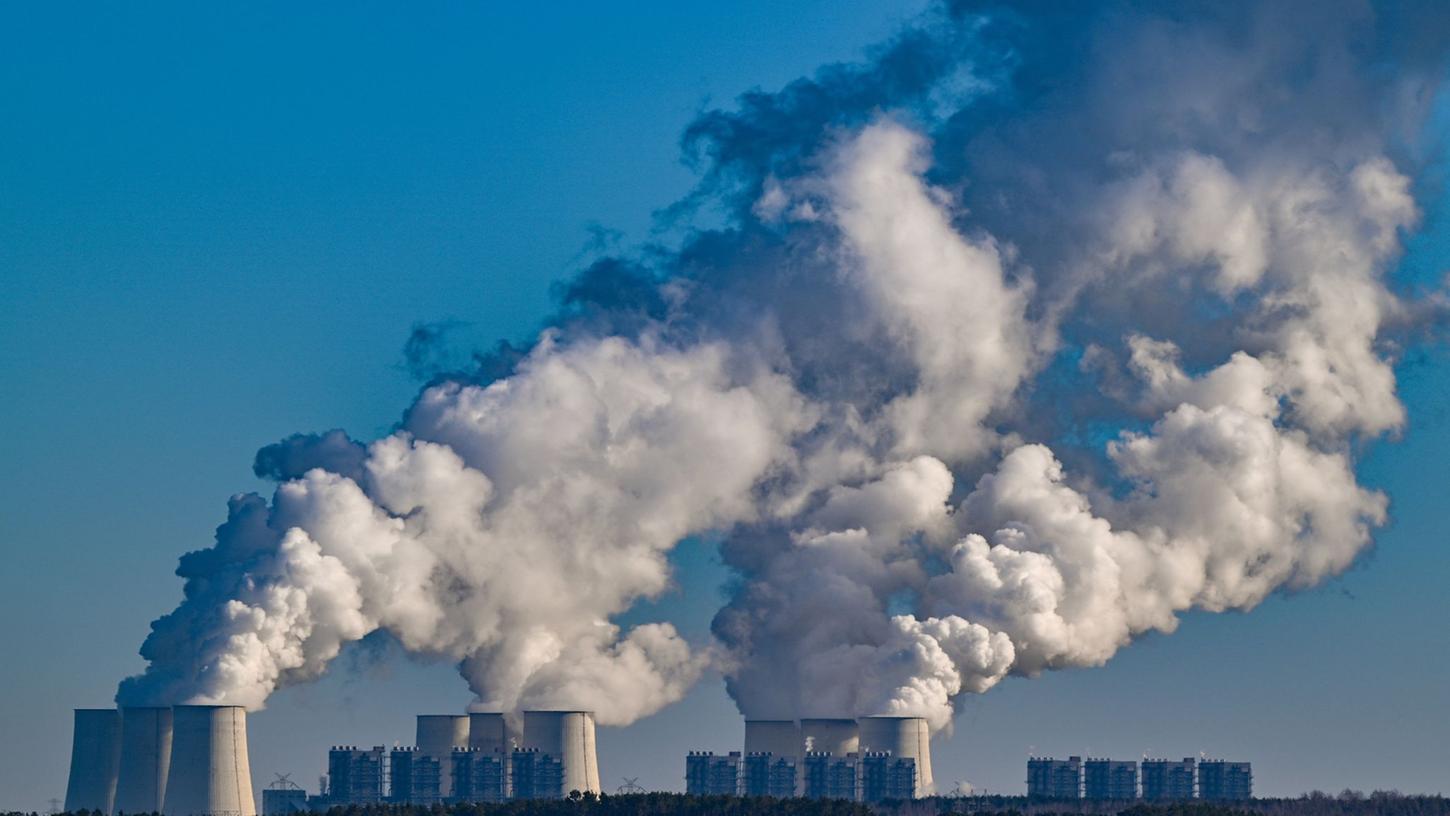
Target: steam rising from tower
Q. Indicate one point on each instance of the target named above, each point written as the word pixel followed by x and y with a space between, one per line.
pixel 990 368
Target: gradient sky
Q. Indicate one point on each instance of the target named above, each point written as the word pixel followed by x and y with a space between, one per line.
pixel 217 228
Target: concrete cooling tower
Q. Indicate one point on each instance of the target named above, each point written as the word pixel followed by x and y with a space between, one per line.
pixel 94 757
pixel 903 737
pixel 210 774
pixel 779 737
pixel 839 737
pixel 438 735
pixel 145 759
pixel 488 732
pixel 569 737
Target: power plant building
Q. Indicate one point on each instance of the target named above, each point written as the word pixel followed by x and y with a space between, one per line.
pixel 1110 779
pixel 903 738
pixel 1221 780
pixel 827 776
pixel 886 777
pixel 413 778
pixel 1165 779
pixel 355 775
pixel 765 774
pixel 708 774
pixel 537 775
pixel 1049 778
pixel 566 737
pixel 480 776
pixel 437 736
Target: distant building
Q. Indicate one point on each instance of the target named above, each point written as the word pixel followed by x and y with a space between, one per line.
pixel 884 777
pixel 479 776
pixel 537 775
pixel 709 774
pixel 831 777
pixel 414 778
pixel 1109 779
pixel 1221 780
pixel 283 801
pixel 762 773
pixel 1049 778
pixel 355 775
pixel 1167 780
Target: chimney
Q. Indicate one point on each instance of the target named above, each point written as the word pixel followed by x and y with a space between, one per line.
pixel 903 737
pixel 145 759
pixel 95 750
pixel 567 736
pixel 210 774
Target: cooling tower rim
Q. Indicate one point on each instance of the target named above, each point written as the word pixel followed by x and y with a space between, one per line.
pixel 558 711
pixel 770 721
pixel 851 720
pixel 212 706
pixel 149 707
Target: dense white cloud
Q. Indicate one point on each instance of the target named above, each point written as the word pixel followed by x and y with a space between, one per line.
pixel 868 387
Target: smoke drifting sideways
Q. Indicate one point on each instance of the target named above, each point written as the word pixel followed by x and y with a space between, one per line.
pixel 1021 337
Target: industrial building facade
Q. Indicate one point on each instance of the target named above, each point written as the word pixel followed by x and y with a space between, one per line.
pixel 1049 778
pixel 1167 779
pixel 1155 779
pixel 1222 780
pixel 1109 779
pixel 469 759
pixel 765 774
pixel 871 759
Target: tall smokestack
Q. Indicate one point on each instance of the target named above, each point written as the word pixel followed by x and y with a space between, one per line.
pixel 839 737
pixel 487 731
pixel 145 759
pixel 210 774
pixel 903 737
pixel 569 737
pixel 438 735
pixel 94 753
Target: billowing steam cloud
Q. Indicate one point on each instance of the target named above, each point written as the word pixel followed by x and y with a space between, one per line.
pixel 1024 336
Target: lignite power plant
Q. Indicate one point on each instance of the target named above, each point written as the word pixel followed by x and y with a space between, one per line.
pixel 192 760
pixel 869 759
pixel 179 761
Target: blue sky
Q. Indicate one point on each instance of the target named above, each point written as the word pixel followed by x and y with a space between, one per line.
pixel 217 228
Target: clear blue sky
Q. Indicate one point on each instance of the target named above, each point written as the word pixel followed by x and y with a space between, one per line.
pixel 217 228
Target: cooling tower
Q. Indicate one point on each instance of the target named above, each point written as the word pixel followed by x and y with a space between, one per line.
pixel 488 732
pixel 779 737
pixel 438 735
pixel 145 759
pixel 94 753
pixel 839 737
pixel 569 737
pixel 210 774
pixel 903 737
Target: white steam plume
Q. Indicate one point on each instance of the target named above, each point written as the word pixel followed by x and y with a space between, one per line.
pixel 990 372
